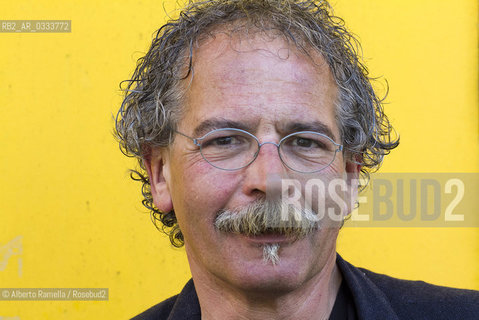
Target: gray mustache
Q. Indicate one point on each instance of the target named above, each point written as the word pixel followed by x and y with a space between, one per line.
pixel 266 217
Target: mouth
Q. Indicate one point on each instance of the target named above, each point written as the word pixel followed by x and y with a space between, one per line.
pixel 268 238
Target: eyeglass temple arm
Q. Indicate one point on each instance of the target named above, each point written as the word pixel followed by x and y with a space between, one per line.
pixel 195 141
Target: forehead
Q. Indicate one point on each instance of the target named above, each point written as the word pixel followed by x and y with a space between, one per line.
pixel 232 50
pixel 257 78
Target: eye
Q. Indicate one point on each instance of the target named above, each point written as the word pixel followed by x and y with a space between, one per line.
pixel 307 143
pixel 224 141
pixel 302 142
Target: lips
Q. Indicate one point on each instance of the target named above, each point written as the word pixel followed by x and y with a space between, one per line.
pixel 268 238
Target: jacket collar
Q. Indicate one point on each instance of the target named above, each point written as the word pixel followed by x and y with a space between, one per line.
pixel 187 306
pixel 370 302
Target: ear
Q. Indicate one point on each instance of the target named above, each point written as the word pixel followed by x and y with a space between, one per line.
pixel 353 165
pixel 353 169
pixel 157 166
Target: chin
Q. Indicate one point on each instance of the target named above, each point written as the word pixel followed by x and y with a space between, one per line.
pixel 268 279
pixel 256 275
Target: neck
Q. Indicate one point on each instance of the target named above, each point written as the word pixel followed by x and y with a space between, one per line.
pixel 313 299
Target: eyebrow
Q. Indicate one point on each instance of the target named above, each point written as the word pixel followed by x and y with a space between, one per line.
pixel 315 126
pixel 218 123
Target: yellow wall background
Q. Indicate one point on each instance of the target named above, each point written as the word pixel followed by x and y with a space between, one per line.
pixel 65 188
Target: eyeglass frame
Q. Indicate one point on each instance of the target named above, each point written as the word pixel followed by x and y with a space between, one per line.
pixel 197 142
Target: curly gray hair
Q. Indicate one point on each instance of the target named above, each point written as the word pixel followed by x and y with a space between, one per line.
pixel 151 107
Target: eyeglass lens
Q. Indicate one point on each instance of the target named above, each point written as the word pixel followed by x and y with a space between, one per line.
pixel 234 149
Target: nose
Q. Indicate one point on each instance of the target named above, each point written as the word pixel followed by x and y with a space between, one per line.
pixel 267 167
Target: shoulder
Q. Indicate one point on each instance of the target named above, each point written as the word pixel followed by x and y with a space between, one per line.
pixel 421 300
pixel 159 311
pixel 378 296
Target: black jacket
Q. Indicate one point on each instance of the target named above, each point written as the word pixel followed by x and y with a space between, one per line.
pixel 376 297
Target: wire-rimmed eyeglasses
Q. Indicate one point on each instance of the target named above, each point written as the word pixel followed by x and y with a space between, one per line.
pixel 233 149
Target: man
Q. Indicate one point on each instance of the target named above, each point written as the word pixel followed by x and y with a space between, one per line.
pixel 233 99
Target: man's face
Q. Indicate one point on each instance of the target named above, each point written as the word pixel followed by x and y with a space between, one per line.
pixel 270 89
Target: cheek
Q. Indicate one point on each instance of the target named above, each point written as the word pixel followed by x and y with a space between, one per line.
pixel 199 192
